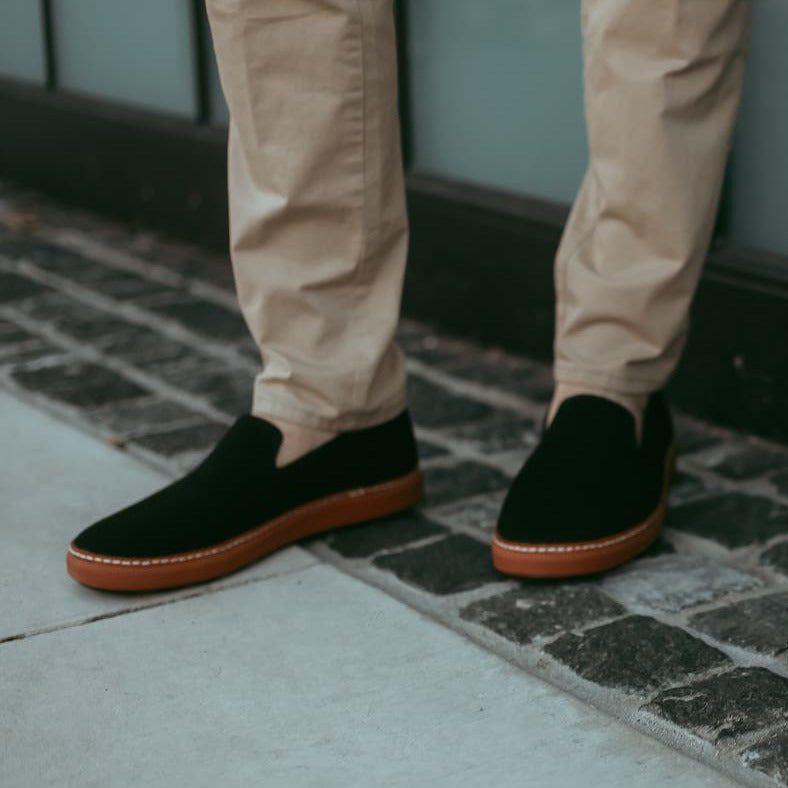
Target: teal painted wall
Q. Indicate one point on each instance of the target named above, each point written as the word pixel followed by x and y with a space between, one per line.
pixel 137 52
pixel 21 44
pixel 496 90
pixel 497 96
pixel 759 164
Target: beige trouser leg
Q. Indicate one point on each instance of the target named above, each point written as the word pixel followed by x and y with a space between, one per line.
pixel 317 212
pixel 662 86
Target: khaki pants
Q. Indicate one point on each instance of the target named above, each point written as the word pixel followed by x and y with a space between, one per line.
pixel 317 210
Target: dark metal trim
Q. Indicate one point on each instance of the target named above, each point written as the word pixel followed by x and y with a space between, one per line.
pixel 199 43
pixel 403 81
pixel 48 35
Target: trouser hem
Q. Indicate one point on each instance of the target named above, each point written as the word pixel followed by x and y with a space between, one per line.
pixel 265 404
pixel 577 375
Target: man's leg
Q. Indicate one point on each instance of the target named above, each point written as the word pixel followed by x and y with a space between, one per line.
pixel 319 242
pixel 317 211
pixel 662 87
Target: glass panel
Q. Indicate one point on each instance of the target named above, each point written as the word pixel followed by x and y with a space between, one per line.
pixel 22 41
pixel 759 167
pixel 497 93
pixel 138 52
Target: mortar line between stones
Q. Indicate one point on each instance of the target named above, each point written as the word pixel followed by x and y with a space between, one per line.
pixel 144 379
pixel 132 314
pixel 76 241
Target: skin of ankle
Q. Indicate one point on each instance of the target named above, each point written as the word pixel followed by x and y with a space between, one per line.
pixel 634 403
pixel 298 440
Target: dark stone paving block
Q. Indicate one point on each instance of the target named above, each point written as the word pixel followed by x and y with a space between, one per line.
pixel 247 347
pixel 231 393
pixel 74 318
pixel 203 317
pixel 14 287
pixel 48 256
pixel 770 756
pixel 457 563
pixel 78 383
pixel 733 519
pixel 675 582
pixel 503 432
pixel 436 354
pixel 691 436
pixel 18 346
pixel 125 286
pixel 685 486
pixel 186 261
pixel 780 481
pixel 449 482
pixel 431 349
pixel 428 450
pixel 195 437
pixel 515 376
pixel 759 624
pixel 139 345
pixel 725 706
pixel 227 388
pixel 11 333
pixel 121 285
pixel 534 611
pixel 777 556
pixel 106 332
pixel 362 541
pixel 746 461
pixel 636 653
pixel 32 350
pixel 433 406
pixel 17 246
pixel 480 512
pixel 86 271
pixel 216 270
pixel 144 415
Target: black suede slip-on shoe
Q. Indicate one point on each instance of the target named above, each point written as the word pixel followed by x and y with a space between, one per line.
pixel 237 506
pixel 589 497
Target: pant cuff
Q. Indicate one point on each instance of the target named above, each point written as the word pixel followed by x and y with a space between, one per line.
pixel 578 375
pixel 266 403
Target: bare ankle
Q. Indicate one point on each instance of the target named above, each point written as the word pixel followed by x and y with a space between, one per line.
pixel 298 440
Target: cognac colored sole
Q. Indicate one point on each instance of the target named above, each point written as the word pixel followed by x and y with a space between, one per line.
pixel 116 573
pixel 569 559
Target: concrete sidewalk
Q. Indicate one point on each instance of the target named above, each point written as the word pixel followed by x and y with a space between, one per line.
pixel 287 674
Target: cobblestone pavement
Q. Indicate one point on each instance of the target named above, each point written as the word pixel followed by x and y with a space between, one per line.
pixel 139 341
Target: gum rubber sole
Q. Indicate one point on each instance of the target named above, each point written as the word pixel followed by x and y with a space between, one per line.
pixel 571 559
pixel 116 573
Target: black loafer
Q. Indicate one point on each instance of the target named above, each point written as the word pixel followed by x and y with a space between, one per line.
pixel 237 506
pixel 589 497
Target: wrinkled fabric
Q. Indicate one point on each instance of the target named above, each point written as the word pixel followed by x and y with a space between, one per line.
pixel 663 80
pixel 318 227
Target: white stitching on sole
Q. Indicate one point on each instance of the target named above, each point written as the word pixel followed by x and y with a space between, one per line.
pixel 579 547
pixel 248 537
